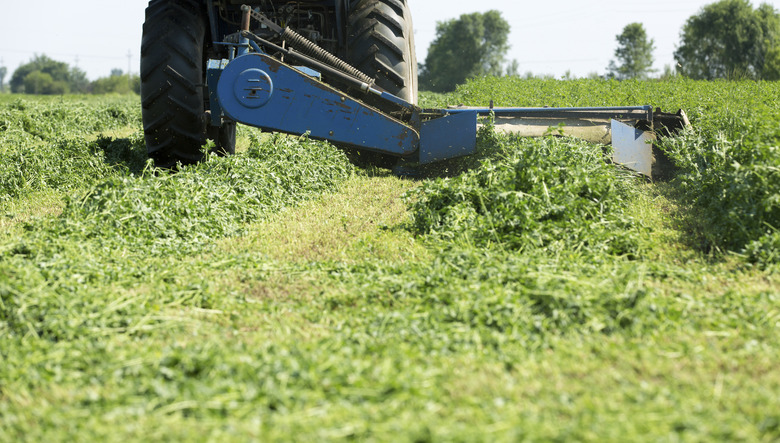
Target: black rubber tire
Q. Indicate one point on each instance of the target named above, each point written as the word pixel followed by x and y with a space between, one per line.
pixel 380 41
pixel 172 78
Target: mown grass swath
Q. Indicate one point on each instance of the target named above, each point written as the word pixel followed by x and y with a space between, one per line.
pixel 49 145
pixel 553 194
pixel 156 213
pixel 728 160
pixel 559 297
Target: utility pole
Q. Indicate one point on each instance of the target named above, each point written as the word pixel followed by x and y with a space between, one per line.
pixel 129 66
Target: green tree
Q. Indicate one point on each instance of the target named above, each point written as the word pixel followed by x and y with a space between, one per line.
pixel 3 72
pixel 116 84
pixel 668 73
pixel 634 54
pixel 78 81
pixel 38 82
pixel 513 68
pixel 729 39
pixel 472 45
pixel 772 64
pixel 58 71
pixel 65 79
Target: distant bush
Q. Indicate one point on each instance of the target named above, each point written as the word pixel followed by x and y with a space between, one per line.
pixel 116 84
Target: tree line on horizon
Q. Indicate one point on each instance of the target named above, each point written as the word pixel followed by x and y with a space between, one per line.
pixel 725 39
pixel 43 75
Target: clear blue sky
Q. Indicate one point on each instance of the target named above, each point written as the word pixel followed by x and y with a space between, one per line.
pixel 548 36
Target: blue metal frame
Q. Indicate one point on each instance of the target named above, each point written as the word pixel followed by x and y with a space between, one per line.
pixel 258 90
pixel 214 70
pixel 448 137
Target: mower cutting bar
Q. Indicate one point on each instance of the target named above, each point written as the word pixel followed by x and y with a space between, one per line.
pixel 617 113
pixel 259 90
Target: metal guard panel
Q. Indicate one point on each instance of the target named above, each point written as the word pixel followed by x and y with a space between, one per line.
pixel 448 137
pixel 632 148
pixel 260 91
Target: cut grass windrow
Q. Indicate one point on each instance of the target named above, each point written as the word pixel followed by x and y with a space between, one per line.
pixel 281 295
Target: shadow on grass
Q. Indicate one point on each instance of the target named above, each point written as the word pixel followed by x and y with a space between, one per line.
pixel 125 153
pixel 378 165
pixel 489 145
pixel 685 217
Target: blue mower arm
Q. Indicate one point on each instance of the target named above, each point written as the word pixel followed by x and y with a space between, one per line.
pixel 258 90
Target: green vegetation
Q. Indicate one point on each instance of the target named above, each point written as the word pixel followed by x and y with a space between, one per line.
pixel 731 39
pixel 469 46
pixel 48 146
pixel 45 76
pixel 280 294
pixel 553 195
pixel 728 160
pixel 3 72
pixel 634 53
pixel 116 83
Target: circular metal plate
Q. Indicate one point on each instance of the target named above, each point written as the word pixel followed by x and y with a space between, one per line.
pixel 253 88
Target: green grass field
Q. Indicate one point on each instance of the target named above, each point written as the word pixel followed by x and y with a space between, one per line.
pixel 284 294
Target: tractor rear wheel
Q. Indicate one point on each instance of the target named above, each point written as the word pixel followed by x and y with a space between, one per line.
pixel 173 63
pixel 380 42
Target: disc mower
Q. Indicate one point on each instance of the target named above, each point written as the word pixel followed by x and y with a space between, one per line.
pixel 344 71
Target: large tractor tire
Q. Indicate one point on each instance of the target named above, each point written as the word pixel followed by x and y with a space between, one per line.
pixel 173 50
pixel 381 44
